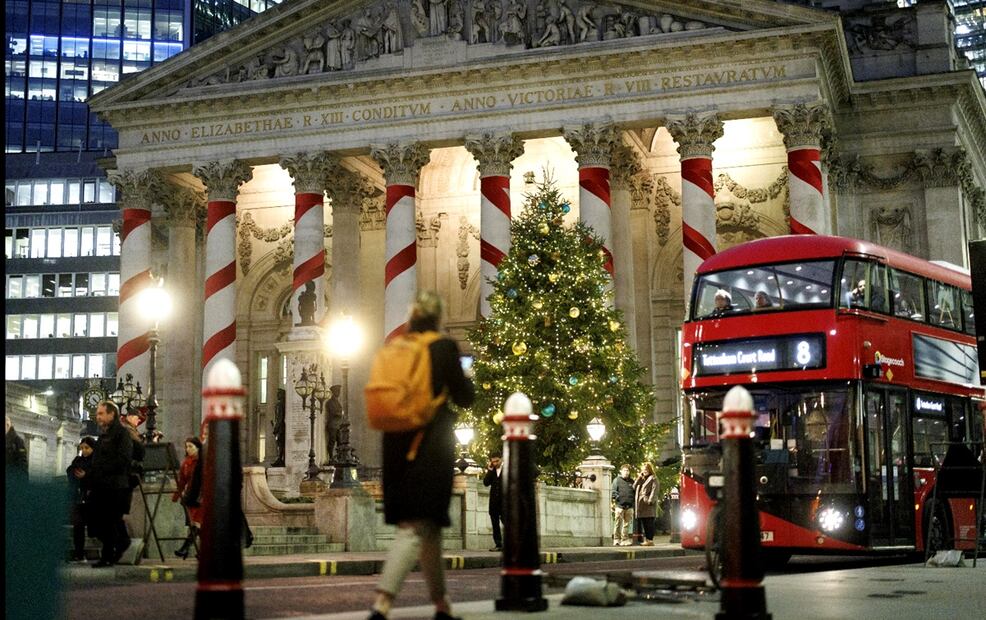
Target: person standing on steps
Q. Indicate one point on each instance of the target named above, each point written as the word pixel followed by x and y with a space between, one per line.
pixel 417 472
pixel 623 500
pixel 79 481
pixel 193 509
pixel 493 479
pixel 110 471
pixel 646 487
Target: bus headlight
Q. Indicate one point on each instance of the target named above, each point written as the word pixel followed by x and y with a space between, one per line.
pixel 688 519
pixel 830 519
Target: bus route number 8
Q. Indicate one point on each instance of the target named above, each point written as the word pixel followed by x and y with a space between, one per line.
pixel 803 355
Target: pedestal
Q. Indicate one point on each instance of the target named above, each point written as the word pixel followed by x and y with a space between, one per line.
pixel 603 469
pixel 349 516
pixel 303 347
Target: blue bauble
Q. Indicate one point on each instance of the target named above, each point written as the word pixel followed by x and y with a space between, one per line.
pixel 565 208
pixel 512 293
pixel 613 379
pixel 573 380
pixel 548 410
pixel 500 276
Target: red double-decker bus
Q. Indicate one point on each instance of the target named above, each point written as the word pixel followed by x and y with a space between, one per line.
pixel 862 365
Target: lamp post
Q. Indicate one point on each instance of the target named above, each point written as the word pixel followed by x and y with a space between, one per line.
pixel 464 434
pixel 596 430
pixel 127 395
pixel 344 339
pixel 155 303
pixel 312 388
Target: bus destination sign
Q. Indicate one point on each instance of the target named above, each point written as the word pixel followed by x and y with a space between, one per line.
pixel 760 354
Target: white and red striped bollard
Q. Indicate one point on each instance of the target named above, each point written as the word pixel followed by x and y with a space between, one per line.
pixel 219 593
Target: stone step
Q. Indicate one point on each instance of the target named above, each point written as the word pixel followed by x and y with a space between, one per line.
pixel 290 539
pixel 293 549
pixel 279 530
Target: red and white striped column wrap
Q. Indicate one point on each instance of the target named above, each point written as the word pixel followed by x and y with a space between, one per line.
pixel 802 127
pixel 137 190
pixel 695 136
pixel 310 173
pixel 401 164
pixel 222 181
pixel 495 154
pixel 593 145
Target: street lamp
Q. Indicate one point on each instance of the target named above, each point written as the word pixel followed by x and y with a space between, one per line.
pixel 155 303
pixel 128 395
pixel 464 434
pixel 596 430
pixel 344 339
pixel 312 388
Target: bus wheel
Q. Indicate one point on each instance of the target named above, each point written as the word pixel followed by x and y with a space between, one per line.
pixel 713 546
pixel 936 536
pixel 774 559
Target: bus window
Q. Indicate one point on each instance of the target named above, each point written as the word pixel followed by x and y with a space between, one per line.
pixel 943 302
pixel 907 294
pixel 786 286
pixel 930 432
pixel 968 313
pixel 878 288
pixel 854 284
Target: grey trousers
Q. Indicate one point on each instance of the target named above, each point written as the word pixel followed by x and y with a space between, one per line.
pixel 419 541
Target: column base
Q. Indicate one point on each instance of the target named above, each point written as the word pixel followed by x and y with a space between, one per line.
pixel 743 603
pixel 345 476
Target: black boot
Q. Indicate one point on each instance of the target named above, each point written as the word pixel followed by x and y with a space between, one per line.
pixel 182 551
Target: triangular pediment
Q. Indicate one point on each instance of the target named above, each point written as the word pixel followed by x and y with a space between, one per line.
pixel 301 42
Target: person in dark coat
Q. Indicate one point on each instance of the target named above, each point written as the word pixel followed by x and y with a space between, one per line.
pixel 16 451
pixel 623 501
pixel 645 508
pixel 417 491
pixel 110 471
pixel 79 485
pixel 131 421
pixel 494 480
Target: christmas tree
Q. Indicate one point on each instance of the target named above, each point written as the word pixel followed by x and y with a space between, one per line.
pixel 554 335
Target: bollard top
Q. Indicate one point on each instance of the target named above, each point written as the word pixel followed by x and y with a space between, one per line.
pixel 738 400
pixel 224 375
pixel 518 404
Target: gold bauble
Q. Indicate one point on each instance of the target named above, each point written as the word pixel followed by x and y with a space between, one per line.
pixel 573 414
pixel 552 277
pixel 614 326
pixel 538 304
pixel 520 348
pixel 487 386
pixel 498 417
pixel 555 255
pixel 574 312
pixel 543 228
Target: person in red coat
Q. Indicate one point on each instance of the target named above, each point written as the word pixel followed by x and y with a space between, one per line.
pixel 193 508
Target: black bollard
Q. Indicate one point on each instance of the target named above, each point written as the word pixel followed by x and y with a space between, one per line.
pixel 219 594
pixel 743 595
pixel 520 578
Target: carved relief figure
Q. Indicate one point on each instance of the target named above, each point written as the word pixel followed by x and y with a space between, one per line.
pixel 285 65
pixel 347 44
pixel 494 10
pixel 333 49
pixel 566 22
pixel 393 38
pixel 891 227
pixel 480 25
pixel 588 29
pixel 515 23
pixel 257 68
pixel 419 18
pixel 367 43
pixel 437 17
pixel 629 20
pixel 314 41
pixel 551 36
pixel 456 20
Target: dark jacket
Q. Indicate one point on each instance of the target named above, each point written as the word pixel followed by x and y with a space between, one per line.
pixel 623 493
pixel 111 459
pixel 16 451
pixel 422 488
pixel 646 488
pixel 495 483
pixel 79 487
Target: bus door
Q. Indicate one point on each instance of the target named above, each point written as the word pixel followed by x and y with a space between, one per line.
pixel 888 474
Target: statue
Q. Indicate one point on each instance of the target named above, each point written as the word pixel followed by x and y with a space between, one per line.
pixel 566 19
pixel 313 52
pixel 438 17
pixel 551 36
pixel 348 40
pixel 419 19
pixel 278 424
pixel 333 49
pixel 456 20
pixel 480 26
pixel 393 38
pixel 588 30
pixel 494 10
pixel 286 65
pixel 333 423
pixel 515 23
pixel 367 44
pixel 306 305
pixel 257 69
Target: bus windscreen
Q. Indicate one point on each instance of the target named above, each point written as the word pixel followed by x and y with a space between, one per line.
pixel 764 288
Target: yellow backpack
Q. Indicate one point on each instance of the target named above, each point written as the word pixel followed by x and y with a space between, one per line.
pixel 398 392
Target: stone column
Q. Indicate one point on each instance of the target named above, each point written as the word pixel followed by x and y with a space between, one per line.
pixel 309 172
pixel 347 191
pixel 222 181
pixel 495 154
pixel 401 165
pixel 802 127
pixel 695 136
pixel 623 172
pixel 603 484
pixel 138 189
pixel 593 145
pixel 179 417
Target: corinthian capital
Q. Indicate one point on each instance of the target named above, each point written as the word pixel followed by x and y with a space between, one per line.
pixel 137 188
pixel 184 206
pixel 348 190
pixel 593 143
pixel 222 179
pixel 624 167
pixel 695 134
pixel 495 152
pixel 802 124
pixel 310 170
pixel 401 163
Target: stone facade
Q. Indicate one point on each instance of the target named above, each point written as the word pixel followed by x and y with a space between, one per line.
pixel 903 161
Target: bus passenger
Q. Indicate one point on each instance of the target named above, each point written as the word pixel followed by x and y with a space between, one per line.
pixel 761 301
pixel 724 303
pixel 857 297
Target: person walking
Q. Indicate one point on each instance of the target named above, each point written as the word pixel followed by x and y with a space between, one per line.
pixel 16 451
pixel 417 486
pixel 131 421
pixel 186 482
pixel 110 492
pixel 79 485
pixel 623 500
pixel 645 496
pixel 494 480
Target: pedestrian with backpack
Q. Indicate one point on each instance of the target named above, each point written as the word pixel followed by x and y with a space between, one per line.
pixel 412 378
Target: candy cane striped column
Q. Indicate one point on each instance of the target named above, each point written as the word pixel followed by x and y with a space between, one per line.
pixel 137 190
pixel 695 136
pixel 222 181
pixel 593 145
pixel 401 164
pixel 310 173
pixel 802 127
pixel 495 154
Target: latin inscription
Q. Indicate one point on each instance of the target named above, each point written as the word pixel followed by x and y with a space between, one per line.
pixel 510 99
